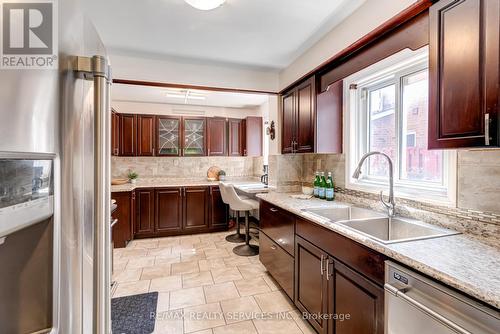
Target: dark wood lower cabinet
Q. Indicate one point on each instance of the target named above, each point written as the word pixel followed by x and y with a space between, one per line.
pixel 279 263
pixel 168 210
pixel 162 212
pixel 351 294
pixel 218 210
pixel 311 286
pixel 122 230
pixel 195 208
pixel 145 213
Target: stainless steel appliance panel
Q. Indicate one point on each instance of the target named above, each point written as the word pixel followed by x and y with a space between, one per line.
pixel 415 304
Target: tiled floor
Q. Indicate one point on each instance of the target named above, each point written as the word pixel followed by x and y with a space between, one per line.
pixel 204 287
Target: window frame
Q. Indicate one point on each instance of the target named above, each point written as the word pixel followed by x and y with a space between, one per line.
pixel 391 70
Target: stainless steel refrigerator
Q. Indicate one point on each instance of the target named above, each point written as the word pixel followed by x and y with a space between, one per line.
pixel 54 187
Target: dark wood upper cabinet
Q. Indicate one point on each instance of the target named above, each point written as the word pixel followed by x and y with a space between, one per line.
pixel 311 286
pixel 288 121
pixel 298 118
pixel 235 137
pixel 216 136
pixel 253 136
pixel 194 135
pixel 168 210
pixel 168 136
pixel 463 73
pixel 218 209
pixel 115 133
pixel 195 208
pixel 329 119
pixel 146 135
pixel 351 293
pixel 306 110
pixel 145 215
pixel 128 135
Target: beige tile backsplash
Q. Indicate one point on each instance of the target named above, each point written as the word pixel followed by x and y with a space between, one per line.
pixel 184 167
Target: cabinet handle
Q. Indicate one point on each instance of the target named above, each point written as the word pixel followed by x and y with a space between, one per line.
pixel 487 122
pixel 273 247
pixel 321 269
pixel 273 210
pixel 327 269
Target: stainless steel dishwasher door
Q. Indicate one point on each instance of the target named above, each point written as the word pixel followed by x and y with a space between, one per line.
pixel 415 304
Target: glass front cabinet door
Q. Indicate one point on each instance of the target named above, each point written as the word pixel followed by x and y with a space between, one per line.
pixel 194 134
pixel 169 129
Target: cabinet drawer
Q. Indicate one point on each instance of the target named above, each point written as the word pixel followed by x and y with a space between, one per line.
pixel 279 225
pixel 278 262
pixel 362 259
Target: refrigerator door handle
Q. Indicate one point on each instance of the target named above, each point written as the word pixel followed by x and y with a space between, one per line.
pixel 97 69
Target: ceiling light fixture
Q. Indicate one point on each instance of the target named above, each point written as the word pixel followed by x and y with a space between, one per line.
pixel 205 4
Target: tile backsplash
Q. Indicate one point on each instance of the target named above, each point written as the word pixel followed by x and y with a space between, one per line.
pixel 183 167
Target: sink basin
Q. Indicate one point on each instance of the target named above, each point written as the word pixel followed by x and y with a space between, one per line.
pixel 342 213
pixel 379 226
pixel 391 230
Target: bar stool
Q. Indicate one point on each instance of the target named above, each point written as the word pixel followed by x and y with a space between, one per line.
pixel 235 237
pixel 239 204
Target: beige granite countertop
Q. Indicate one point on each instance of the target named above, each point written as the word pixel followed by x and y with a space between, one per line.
pixel 460 261
pixel 178 182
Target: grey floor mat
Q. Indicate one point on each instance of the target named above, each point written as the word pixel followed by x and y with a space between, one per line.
pixel 132 314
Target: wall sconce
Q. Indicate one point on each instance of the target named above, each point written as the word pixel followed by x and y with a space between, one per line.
pixel 271 131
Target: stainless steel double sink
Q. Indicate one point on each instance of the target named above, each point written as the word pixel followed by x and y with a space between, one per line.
pixel 379 226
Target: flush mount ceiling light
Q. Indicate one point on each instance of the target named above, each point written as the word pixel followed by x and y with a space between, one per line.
pixel 205 4
pixel 186 95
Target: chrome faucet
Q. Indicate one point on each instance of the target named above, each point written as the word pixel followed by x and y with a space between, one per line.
pixel 390 206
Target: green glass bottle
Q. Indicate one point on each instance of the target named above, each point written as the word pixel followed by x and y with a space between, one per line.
pixel 322 186
pixel 316 185
pixel 329 191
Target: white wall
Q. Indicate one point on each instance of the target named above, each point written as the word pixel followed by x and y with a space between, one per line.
pixel 180 109
pixel 191 73
pixel 269 111
pixel 366 18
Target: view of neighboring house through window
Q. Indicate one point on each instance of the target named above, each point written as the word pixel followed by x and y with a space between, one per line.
pixel 390 107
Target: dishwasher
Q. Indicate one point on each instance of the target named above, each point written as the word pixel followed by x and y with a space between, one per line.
pixel 415 304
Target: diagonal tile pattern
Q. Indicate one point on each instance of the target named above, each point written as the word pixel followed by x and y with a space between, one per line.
pixel 205 288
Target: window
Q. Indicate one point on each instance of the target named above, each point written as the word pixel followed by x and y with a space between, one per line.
pixel 388 112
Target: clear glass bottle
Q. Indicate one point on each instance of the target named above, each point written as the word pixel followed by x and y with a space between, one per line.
pixel 329 191
pixel 322 186
pixel 316 184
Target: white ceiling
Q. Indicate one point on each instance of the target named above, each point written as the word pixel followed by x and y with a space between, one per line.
pixel 144 94
pixel 267 34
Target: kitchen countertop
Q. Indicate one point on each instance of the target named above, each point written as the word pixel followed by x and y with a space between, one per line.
pixel 178 182
pixel 460 261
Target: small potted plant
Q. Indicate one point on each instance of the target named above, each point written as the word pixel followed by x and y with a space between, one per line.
pixel 132 177
pixel 222 175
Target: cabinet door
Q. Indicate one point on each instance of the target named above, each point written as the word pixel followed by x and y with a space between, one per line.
pixel 218 209
pixel 351 293
pixel 311 286
pixel 128 135
pixel 235 137
pixel 168 210
pixel 217 136
pixel 306 110
pixel 288 123
pixel 279 225
pixel 168 134
pixel 145 135
pixel 144 223
pixel 463 72
pixel 122 230
pixel 195 208
pixel 253 136
pixel 193 136
pixel 329 119
pixel 115 133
